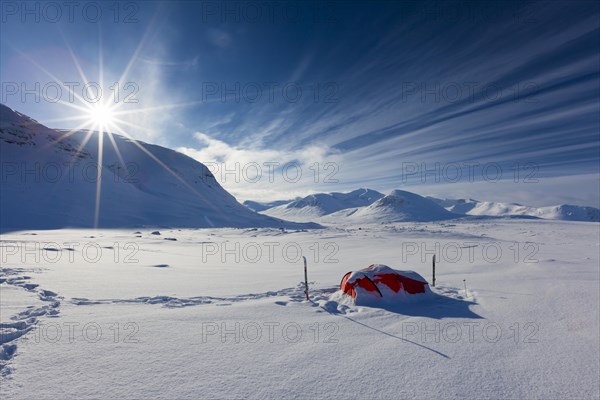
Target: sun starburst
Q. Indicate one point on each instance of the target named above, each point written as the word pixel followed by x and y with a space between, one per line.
pixel 101 114
pixel 104 116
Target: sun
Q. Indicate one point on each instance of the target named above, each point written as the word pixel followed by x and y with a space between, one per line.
pixel 101 115
pixel 103 118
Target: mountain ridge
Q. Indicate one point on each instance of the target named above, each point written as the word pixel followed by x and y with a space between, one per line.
pixel 321 204
pixel 458 207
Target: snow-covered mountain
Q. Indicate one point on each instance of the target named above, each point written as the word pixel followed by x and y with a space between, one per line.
pixel 565 212
pixel 405 206
pixel 49 181
pixel 398 206
pixel 459 206
pixel 258 206
pixel 317 205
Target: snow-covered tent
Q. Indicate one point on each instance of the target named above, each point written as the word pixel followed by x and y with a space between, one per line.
pixel 383 282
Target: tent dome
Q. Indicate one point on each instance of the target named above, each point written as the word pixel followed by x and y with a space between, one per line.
pixel 379 281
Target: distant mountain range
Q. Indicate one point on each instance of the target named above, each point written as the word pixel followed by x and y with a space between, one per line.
pixel 370 206
pixel 258 206
pixel 565 212
pixel 315 206
pixel 398 206
pixel 49 181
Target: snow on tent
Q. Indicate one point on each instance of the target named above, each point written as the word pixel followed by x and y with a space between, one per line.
pixel 379 282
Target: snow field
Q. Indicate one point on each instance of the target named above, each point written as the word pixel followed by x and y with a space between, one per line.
pixel 187 321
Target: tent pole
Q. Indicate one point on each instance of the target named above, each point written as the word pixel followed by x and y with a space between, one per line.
pixel 433 280
pixel 305 279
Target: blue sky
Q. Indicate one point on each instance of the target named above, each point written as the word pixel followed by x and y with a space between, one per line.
pixel 434 97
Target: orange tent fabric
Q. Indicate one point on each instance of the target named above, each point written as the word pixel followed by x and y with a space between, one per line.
pixel 374 277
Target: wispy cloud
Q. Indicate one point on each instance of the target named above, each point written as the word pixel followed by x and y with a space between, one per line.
pixel 266 173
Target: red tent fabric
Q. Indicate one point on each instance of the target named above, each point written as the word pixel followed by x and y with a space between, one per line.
pixel 378 279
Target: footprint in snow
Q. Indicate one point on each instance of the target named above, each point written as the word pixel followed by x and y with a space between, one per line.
pixel 26 320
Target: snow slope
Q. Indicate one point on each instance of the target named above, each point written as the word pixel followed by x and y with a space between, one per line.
pixel 48 183
pixel 397 206
pixel 169 321
pixel 314 206
pixel 258 206
pixel 564 212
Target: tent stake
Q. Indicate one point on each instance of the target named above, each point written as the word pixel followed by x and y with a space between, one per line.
pixel 305 279
pixel 433 280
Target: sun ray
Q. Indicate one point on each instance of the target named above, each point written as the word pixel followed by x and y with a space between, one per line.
pixel 51 75
pixel 157 108
pixel 100 59
pixel 99 177
pixel 135 54
pixel 68 119
pixel 163 165
pixel 116 147
pixel 77 66
pixel 83 143
pixel 71 105
pixel 66 135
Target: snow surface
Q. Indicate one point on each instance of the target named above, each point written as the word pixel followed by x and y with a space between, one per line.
pixel 527 326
